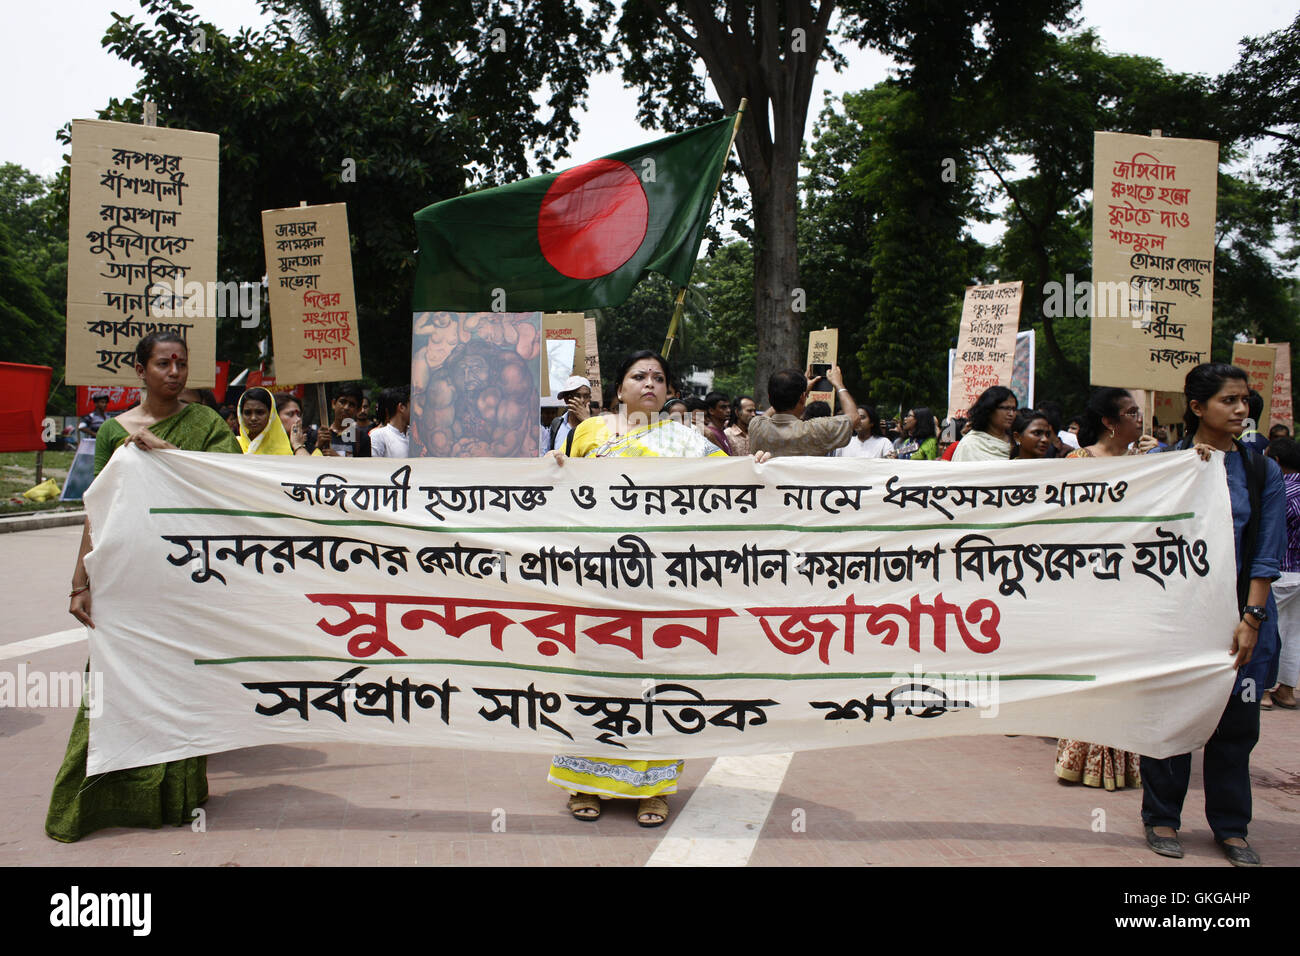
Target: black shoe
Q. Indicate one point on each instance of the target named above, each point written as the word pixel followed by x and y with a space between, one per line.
pixel 1168 846
pixel 1239 855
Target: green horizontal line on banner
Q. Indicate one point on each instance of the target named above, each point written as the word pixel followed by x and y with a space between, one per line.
pixel 570 529
pixel 581 673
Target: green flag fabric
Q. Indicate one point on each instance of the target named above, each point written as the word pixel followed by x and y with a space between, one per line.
pixel 575 240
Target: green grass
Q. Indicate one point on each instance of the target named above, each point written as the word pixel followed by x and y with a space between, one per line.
pixel 18 473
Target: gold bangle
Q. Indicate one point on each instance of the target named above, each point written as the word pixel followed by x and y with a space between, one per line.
pixel 75 591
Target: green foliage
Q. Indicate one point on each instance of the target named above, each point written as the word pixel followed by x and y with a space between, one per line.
pixel 33 275
pixel 837 223
pixel 1263 91
pixel 716 330
pixel 415 95
pixel 1078 88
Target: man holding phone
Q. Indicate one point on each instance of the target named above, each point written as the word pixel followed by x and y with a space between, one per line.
pixel 576 395
pixel 784 433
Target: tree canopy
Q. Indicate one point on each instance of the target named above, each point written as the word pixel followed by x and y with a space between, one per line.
pixel 387 107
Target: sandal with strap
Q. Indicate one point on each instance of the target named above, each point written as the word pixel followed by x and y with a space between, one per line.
pixel 652 807
pixel 584 806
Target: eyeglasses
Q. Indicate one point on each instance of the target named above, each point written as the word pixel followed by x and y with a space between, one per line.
pixel 1133 412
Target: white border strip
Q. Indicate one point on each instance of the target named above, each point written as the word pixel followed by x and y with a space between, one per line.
pixel 720 824
pixel 42 643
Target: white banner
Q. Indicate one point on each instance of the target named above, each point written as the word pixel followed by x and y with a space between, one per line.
pixel 658 608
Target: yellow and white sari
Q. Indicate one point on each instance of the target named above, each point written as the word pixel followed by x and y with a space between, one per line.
pixel 605 776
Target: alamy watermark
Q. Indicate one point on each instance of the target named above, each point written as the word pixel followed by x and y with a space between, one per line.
pixel 222 300
pixel 1086 299
pixel 940 692
pixel 42 689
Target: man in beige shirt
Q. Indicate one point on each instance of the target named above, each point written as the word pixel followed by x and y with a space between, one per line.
pixel 783 432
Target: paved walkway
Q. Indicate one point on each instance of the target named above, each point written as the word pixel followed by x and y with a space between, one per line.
pixel 985 801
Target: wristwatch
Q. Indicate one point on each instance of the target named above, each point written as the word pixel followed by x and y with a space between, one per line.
pixel 1259 613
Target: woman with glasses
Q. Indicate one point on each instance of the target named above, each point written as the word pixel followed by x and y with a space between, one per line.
pixel 1112 426
pixel 991 418
pixel 919 440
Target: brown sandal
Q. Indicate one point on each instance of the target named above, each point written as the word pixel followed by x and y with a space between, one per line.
pixel 652 807
pixel 584 806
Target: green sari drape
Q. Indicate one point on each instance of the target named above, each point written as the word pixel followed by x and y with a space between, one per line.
pixel 165 793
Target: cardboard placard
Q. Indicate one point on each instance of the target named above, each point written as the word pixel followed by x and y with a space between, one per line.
pixel 824 349
pixel 1283 411
pixel 142 248
pixel 1153 212
pixel 986 343
pixel 313 305
pixel 593 360
pixel 560 326
pixel 1169 409
pixel 1260 362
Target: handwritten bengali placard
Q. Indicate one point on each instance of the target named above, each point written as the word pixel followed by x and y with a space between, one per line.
pixel 986 343
pixel 824 349
pixel 313 304
pixel 1260 364
pixel 142 248
pixel 654 608
pixel 1153 210
pixel 593 358
pixel 1283 410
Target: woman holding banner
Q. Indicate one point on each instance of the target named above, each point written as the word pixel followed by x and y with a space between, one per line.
pixel 637 430
pixel 163 793
pixel 1112 426
pixel 1217 404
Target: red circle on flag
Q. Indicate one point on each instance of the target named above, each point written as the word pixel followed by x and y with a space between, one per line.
pixel 593 219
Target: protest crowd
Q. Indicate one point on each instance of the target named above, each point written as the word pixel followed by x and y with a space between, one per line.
pixel 505 543
pixel 647 411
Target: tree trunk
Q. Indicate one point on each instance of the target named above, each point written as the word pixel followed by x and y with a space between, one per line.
pixel 776 274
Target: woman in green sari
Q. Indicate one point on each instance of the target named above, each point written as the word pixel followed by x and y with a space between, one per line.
pixel 162 793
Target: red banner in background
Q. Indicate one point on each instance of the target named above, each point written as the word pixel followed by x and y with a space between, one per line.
pixel 258 379
pixel 24 390
pixel 120 397
pixel 221 381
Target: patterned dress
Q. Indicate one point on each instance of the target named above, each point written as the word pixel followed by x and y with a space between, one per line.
pixel 606 776
pixel 1096 765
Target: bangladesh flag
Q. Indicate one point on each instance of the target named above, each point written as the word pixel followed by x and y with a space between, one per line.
pixel 575 240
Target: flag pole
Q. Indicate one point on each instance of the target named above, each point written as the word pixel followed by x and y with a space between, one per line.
pixel 681 293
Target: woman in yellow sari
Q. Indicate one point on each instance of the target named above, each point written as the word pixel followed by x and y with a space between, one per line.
pixel 260 430
pixel 636 431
